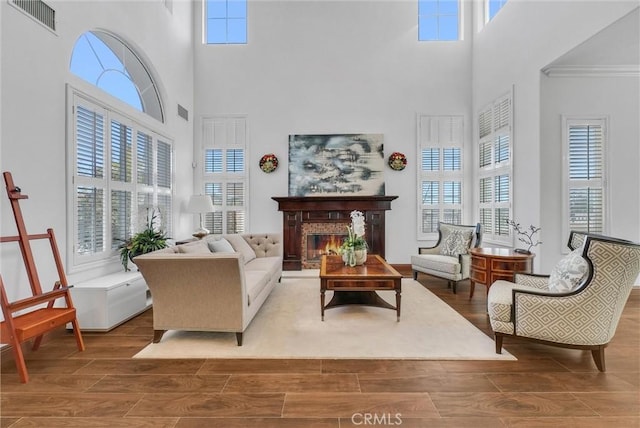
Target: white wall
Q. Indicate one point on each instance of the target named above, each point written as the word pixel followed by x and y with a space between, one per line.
pixel 35 72
pixel 616 98
pixel 334 67
pixel 524 37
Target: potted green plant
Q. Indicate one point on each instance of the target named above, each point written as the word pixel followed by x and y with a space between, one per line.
pixel 142 242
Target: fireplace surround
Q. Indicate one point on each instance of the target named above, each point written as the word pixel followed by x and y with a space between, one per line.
pixel 305 215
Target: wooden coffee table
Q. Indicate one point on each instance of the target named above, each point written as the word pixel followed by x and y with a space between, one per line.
pixel 357 285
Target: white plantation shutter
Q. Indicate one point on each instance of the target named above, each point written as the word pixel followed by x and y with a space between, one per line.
pixel 89 184
pixel 90 215
pixel 440 175
pixel 117 179
pixel 121 156
pixel 121 205
pixel 224 173
pixel 585 174
pixel 495 169
pixel 144 156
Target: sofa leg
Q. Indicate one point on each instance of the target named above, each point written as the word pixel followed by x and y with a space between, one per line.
pixel 598 358
pixel 499 338
pixel 415 275
pixel 453 286
pixel 239 338
pixel 157 335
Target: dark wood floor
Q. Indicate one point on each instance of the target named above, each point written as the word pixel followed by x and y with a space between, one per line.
pixel 104 387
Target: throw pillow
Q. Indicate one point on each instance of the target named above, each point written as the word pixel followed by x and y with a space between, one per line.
pixel 221 246
pixel 199 248
pixel 241 246
pixel 569 272
pixel 456 242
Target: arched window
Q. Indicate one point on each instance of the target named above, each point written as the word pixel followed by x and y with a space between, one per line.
pixel 105 61
pixel 122 166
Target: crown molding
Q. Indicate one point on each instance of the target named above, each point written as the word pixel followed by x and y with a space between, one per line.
pixel 592 71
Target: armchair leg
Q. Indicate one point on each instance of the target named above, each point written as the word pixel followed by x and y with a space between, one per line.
pixel 415 275
pixel 453 286
pixel 498 338
pixel 239 338
pixel 598 358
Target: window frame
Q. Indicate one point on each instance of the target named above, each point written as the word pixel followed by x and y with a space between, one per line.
pixel 429 135
pixel 494 169
pixel 79 262
pixel 601 183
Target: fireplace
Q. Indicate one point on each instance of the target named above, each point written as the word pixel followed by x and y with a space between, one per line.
pixel 319 239
pixel 305 217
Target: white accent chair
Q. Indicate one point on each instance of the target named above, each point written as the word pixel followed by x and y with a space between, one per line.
pixel 583 316
pixel 449 258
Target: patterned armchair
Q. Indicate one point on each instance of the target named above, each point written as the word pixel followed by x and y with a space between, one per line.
pixel 578 306
pixel 449 258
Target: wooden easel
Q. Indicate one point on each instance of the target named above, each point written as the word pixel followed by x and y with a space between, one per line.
pixel 16 329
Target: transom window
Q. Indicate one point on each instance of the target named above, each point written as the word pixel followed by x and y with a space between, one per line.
pixel 225 21
pixel 438 20
pixel 492 7
pixel 103 60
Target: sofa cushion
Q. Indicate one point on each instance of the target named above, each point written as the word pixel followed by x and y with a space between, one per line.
pixel 241 246
pixel 221 246
pixel 256 281
pixel 268 264
pixel 567 275
pixel 196 248
pixel 456 242
pixel 437 262
pixel 500 299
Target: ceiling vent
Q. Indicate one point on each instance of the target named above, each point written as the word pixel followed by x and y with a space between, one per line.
pixel 39 10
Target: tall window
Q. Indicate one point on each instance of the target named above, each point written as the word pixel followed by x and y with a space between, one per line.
pixel 438 20
pixel 584 174
pixel 122 173
pixel 495 170
pixel 224 173
pixel 492 7
pixel 225 21
pixel 440 174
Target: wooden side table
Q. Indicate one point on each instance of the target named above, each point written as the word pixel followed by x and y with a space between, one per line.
pixel 491 264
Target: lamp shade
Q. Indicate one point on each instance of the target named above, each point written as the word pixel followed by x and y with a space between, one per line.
pixel 200 204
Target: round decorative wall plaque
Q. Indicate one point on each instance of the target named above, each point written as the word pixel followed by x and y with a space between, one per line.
pixel 269 163
pixel 397 161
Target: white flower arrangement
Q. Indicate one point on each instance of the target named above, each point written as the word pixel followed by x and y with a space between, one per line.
pixel 355 240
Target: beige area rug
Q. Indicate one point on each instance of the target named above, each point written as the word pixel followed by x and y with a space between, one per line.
pixel 289 326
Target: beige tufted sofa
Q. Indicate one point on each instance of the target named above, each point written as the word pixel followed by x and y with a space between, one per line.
pixel 196 289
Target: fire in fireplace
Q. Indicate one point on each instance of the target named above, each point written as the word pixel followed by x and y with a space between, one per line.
pixel 319 244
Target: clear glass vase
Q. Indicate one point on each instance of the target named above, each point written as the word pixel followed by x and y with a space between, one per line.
pixel 349 257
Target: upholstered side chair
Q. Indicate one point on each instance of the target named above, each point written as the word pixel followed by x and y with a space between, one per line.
pixel 578 306
pixel 449 258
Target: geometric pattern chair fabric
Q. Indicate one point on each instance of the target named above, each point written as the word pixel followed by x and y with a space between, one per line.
pixel 585 318
pixel 445 259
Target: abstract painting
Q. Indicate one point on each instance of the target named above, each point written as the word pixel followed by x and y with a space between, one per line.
pixel 336 164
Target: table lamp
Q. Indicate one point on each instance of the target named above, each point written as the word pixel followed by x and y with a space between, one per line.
pixel 200 204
